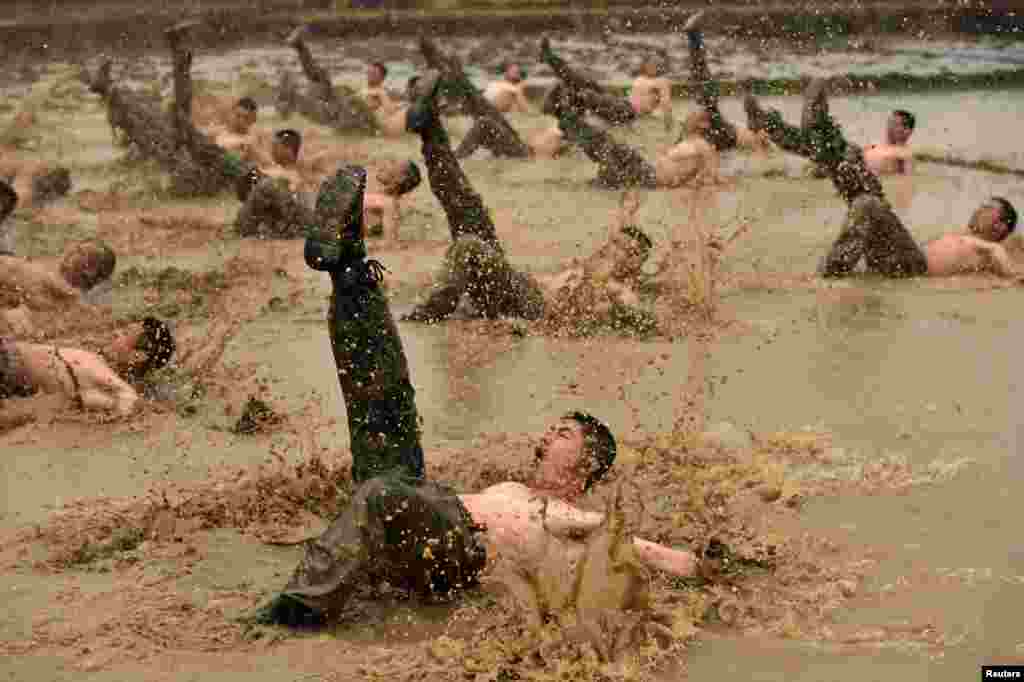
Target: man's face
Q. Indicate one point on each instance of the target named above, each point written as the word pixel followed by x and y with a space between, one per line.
pixel 560 455
pixel 123 351
pixel 283 154
pixel 390 174
pixel 627 256
pixel 242 120
pixel 987 222
pixel 513 74
pixel 896 130
pixel 374 75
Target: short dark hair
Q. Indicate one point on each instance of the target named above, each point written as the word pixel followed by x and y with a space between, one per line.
pixel 1008 213
pixel 157 342
pixel 289 137
pixel 637 235
pixel 411 180
pixel 247 103
pixel 599 445
pixel 380 65
pixel 103 258
pixel 908 118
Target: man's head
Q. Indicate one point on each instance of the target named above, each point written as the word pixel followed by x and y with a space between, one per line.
pixel 243 116
pixel 900 126
pixel 87 263
pixel 141 347
pixel 629 249
pixel 399 177
pixel 376 72
pixel 994 220
pixel 286 146
pixel 697 122
pixel 513 73
pixel 575 453
pixel 649 68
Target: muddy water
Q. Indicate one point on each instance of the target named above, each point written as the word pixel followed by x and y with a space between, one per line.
pixel 921 370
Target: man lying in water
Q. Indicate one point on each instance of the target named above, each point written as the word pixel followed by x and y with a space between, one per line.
pixel 419 535
pixel 872 230
pixel 491 130
pixel 89 380
pixel 476 264
pixel 691 162
pixel 508 93
pixel 235 134
pixel 649 94
pixel 893 156
pixel 324 104
pixel 278 198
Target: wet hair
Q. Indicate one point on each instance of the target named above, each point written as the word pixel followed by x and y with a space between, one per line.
pixel 598 444
pixel 1007 213
pixel 383 69
pixel 101 260
pixel 290 138
pixel 909 121
pixel 157 342
pixel 247 103
pixel 643 242
pixel 411 179
pixel 8 199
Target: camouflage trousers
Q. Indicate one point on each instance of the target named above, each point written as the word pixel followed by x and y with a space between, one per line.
pixel 619 165
pixel 820 139
pixel 417 537
pixel 873 232
pixel 491 130
pixel 272 211
pixel 616 110
pixel 496 289
pixel 341 110
pixel 722 133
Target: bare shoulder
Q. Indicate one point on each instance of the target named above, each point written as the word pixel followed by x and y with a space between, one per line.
pixel 508 489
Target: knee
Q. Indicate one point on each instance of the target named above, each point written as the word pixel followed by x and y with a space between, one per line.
pixel 867 206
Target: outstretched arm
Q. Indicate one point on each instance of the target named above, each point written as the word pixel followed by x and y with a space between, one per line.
pixel 682 563
pixel 997 259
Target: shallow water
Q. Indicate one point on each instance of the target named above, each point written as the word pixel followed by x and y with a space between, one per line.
pixel 919 369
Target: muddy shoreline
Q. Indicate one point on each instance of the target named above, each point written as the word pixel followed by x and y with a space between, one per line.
pixel 77 32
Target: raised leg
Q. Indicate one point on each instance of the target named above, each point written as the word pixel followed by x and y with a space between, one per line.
pixel 872 231
pixel 721 134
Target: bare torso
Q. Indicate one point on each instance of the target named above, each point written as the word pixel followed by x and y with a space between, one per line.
pixel 381 209
pixel 888 159
pixel 506 96
pixel 956 254
pixel 693 161
pixel 75 373
pixel 547 143
pixel 519 524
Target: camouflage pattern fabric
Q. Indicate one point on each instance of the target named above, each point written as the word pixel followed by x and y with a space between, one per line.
pixel 721 134
pixel 873 231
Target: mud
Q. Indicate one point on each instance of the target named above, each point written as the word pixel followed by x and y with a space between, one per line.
pixel 841 455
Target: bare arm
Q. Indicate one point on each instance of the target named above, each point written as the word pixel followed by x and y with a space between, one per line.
pixel 665 101
pixel 677 562
pixel 391 218
pixel 997 259
pixel 522 104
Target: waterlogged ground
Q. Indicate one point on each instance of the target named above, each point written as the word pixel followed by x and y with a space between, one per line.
pixel 870 511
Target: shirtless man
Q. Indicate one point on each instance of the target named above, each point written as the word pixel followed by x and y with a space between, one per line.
pixel 491 130
pixel 649 94
pixel 390 113
pixel 325 104
pixel 652 93
pixel 509 93
pixel 693 161
pixel 278 199
pixel 89 380
pixel 413 534
pixel 894 155
pixel 872 231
